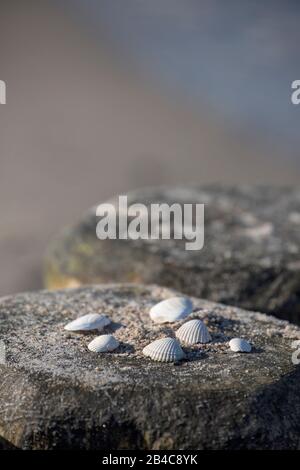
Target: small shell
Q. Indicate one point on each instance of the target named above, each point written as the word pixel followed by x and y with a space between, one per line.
pixel 103 343
pixel 239 345
pixel 171 310
pixel 91 321
pixel 192 332
pixel 164 350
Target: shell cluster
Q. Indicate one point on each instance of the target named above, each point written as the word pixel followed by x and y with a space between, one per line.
pixel 94 321
pixel 103 343
pixel 167 349
pixel 193 332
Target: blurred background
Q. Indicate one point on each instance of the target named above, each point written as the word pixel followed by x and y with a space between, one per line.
pixel 105 96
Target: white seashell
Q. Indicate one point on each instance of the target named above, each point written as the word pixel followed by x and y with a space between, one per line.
pixel 164 350
pixel 103 343
pixel 239 345
pixel 171 310
pixel 192 332
pixel 91 321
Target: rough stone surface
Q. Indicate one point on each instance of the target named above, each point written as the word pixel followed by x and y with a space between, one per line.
pixel 54 393
pixel 250 258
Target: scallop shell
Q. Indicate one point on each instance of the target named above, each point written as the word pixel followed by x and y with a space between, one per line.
pixel 171 310
pixel 103 343
pixel 91 321
pixel 192 332
pixel 164 350
pixel 239 345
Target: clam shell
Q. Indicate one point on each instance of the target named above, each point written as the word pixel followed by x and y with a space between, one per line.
pixel 239 345
pixel 103 343
pixel 171 310
pixel 192 332
pixel 91 321
pixel 164 350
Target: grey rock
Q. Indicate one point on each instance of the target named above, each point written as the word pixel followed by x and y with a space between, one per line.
pixel 250 258
pixel 56 394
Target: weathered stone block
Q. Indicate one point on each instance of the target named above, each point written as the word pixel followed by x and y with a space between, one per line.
pixel 56 394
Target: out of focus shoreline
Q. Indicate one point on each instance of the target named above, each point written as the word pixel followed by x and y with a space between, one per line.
pixel 79 127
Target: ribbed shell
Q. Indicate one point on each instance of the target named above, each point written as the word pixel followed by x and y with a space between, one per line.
pixel 91 321
pixel 171 310
pixel 239 345
pixel 103 343
pixel 193 332
pixel 164 350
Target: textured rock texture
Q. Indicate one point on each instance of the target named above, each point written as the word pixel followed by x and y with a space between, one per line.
pixel 55 393
pixel 250 258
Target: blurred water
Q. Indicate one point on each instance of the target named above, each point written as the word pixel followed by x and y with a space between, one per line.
pixel 81 125
pixel 237 57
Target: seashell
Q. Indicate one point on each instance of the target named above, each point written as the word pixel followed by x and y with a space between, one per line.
pixel 103 343
pixel 192 332
pixel 171 310
pixel 91 321
pixel 164 350
pixel 239 345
